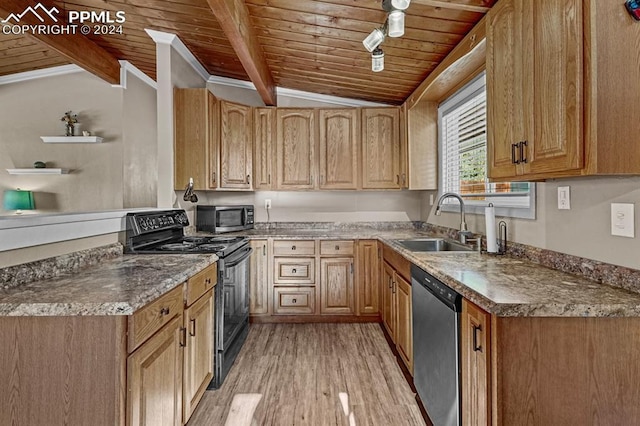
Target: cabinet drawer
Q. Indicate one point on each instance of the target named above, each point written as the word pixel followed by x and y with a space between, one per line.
pixel 200 283
pixel 294 248
pixel 294 300
pixel 296 270
pixel 337 248
pixel 147 320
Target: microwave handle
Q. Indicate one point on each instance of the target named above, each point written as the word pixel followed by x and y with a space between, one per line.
pixel 246 217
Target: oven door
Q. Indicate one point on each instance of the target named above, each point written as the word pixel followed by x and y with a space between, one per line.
pixel 232 297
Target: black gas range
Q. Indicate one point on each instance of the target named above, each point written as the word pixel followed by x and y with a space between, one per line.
pixel 162 232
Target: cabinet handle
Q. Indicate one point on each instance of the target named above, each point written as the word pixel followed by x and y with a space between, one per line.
pixel 476 346
pixel 294 270
pixel 269 178
pixel 397 179
pixel 183 337
pixel 390 283
pixel 192 332
pixel 213 176
pixel 264 249
pixel 248 179
pixel 164 311
pixel 393 289
pixel 337 247
pixel 514 160
pixel 293 247
pixel 523 153
pixel 294 300
pixel 351 268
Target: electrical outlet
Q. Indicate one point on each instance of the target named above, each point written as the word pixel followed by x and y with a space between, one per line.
pixel 564 198
pixel 622 220
pixel 267 204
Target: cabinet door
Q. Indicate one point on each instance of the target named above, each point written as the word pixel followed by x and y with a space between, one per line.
pixel 404 325
pixel 388 300
pixel 295 149
pixel 380 148
pixel 475 360
pixel 507 101
pixel 367 280
pixel 336 286
pixel 557 28
pixel 154 379
pixel 263 139
pixel 195 146
pixel 259 279
pixel 235 146
pixel 198 353
pixel 339 147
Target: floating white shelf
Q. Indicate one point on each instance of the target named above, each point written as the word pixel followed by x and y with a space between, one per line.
pixel 45 171
pixel 71 139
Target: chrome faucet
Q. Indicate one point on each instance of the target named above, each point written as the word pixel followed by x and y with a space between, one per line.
pixel 464 232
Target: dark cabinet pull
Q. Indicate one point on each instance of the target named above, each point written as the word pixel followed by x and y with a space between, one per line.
pixel 183 337
pixel 192 332
pixel 523 153
pixel 514 160
pixel 164 311
pixel 293 247
pixel 294 270
pixel 294 300
pixel 269 178
pixel 476 346
pixel 248 179
pixel 213 176
pixel 337 247
pixel 390 283
pixel 393 289
pixel 397 179
pixel 264 249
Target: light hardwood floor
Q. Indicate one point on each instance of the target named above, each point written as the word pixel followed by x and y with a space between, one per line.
pixel 312 374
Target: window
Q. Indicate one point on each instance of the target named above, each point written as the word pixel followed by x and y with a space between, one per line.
pixel 462 132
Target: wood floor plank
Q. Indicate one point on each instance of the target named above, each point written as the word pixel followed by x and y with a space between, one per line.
pixel 313 374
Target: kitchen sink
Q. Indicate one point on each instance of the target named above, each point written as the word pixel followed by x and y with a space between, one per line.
pixel 433 244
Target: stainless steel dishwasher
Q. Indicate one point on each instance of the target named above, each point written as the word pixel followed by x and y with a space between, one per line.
pixel 436 357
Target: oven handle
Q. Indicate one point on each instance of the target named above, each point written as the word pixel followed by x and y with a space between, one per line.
pixel 241 255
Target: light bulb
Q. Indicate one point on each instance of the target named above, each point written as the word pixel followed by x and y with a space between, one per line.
pixel 377 60
pixel 400 4
pixel 373 40
pixel 396 23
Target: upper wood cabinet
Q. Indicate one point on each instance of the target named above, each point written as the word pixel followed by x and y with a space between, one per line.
pixel 558 90
pixel 419 148
pixel 264 129
pixel 235 146
pixel 295 159
pixel 339 148
pixel 381 148
pixel 195 139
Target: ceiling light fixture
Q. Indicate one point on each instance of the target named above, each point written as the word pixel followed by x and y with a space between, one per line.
pixel 374 39
pixel 396 23
pixel 377 60
pixel 393 27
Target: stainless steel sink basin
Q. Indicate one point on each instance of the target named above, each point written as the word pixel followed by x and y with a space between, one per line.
pixel 433 244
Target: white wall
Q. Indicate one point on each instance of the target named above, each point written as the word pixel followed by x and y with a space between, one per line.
pixel 582 231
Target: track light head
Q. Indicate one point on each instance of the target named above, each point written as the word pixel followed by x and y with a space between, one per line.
pixel 396 23
pixel 374 39
pixel 377 60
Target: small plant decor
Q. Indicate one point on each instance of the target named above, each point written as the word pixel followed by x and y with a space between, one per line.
pixel 69 122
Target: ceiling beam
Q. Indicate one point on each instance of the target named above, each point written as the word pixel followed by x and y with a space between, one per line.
pixel 234 20
pixel 481 7
pixel 75 47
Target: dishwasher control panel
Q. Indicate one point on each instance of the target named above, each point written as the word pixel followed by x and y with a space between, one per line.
pixel 442 291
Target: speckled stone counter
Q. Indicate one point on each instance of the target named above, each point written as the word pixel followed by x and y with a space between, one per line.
pixel 502 285
pixel 117 286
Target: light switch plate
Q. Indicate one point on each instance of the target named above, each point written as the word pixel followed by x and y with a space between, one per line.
pixel 564 198
pixel 622 220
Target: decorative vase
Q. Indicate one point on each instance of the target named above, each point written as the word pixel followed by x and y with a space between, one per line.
pixel 69 128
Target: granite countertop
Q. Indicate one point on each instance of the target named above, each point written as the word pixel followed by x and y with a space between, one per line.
pixel 116 286
pixel 502 285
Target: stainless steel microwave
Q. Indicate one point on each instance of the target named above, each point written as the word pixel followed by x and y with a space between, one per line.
pixel 219 219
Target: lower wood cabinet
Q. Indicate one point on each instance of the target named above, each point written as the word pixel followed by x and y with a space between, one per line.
pixel 294 300
pixel 198 352
pixel 259 280
pixel 154 377
pixel 475 359
pixel 404 324
pixel 336 286
pixel 388 301
pixel 368 278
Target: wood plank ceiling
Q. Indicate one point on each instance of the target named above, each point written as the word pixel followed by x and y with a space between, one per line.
pixel 308 45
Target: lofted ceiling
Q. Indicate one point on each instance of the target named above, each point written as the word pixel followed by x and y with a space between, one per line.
pixel 308 45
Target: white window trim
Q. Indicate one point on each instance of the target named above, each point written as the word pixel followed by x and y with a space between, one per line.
pixel 473 88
